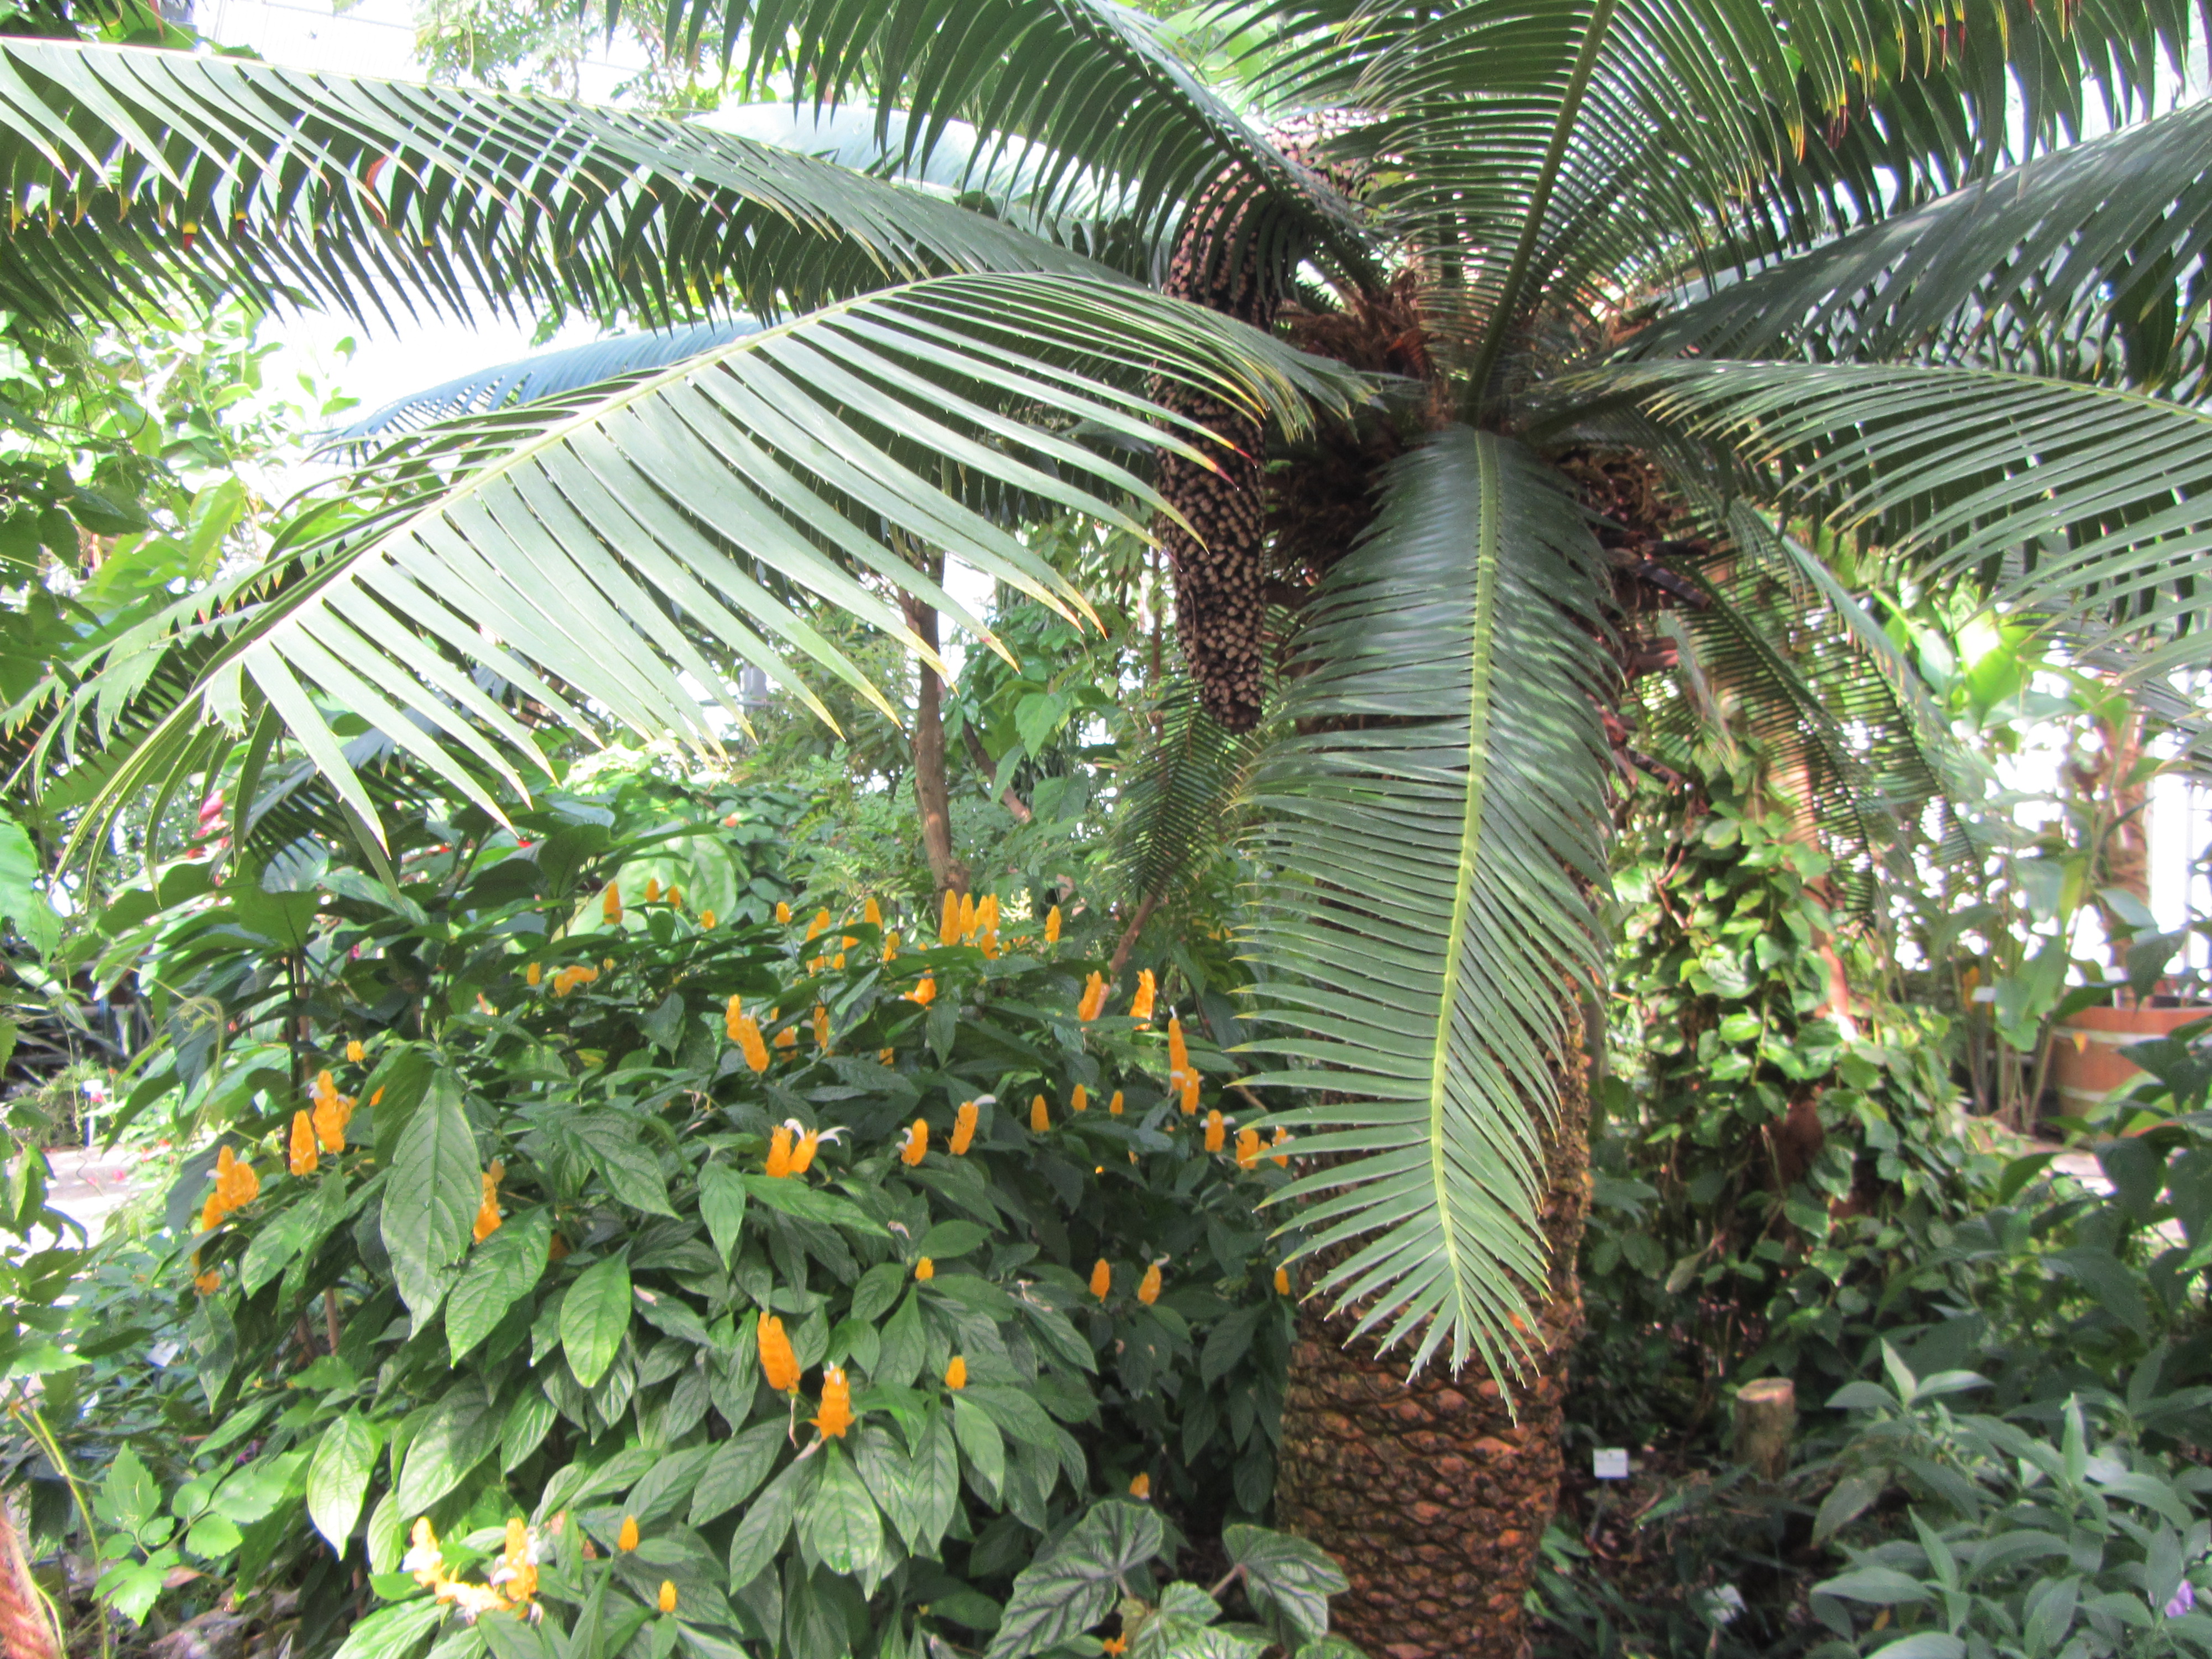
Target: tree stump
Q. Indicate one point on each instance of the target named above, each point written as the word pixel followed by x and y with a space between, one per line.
pixel 1765 1423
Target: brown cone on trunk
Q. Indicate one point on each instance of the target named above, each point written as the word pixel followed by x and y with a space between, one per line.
pixel 1431 1494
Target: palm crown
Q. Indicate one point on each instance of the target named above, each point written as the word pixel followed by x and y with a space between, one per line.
pixel 1846 262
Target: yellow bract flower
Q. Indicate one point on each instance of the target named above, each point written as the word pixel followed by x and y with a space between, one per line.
pixel 611 902
pixel 1140 1005
pixel 487 1216
pixel 1247 1148
pixel 1093 1002
pixel 668 1595
pixel 948 928
pixel 1282 1281
pixel 746 1034
pixel 533 974
pixel 916 1146
pixel 211 1213
pixel 1080 1100
pixel 303 1145
pixel 1189 1094
pixel 1282 1139
pixel 626 1539
pixel 355 1052
pixel 802 1155
pixel 872 912
pixel 1142 1487
pixel 779 1363
pixel 1052 926
pixel 924 1270
pixel 652 889
pixel 956 1374
pixel 891 945
pixel 208 1283
pixel 963 1127
pixel 1178 1050
pixel 925 993
pixel 1148 1290
pixel 778 1151
pixel 675 896
pixel 707 921
pixel 1113 1106
pixel 1102 1279
pixel 786 1038
pixel 814 928
pixel 783 911
pixel 885 1056
pixel 966 916
pixel 1216 1131
pixel 332 1114
pixel 1040 1119
pixel 836 1414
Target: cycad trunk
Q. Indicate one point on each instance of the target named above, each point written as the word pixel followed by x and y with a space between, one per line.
pixel 1430 1494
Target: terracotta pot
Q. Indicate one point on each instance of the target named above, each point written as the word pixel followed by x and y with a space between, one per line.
pixel 2086 1059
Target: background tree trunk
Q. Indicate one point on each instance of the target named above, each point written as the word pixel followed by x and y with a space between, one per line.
pixel 932 794
pixel 1430 1493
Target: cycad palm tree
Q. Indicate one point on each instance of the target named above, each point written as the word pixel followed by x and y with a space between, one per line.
pixel 1969 339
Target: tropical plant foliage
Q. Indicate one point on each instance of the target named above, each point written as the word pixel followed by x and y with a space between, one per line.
pixel 1949 337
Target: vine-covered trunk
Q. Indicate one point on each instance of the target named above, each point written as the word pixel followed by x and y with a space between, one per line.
pixel 1433 1494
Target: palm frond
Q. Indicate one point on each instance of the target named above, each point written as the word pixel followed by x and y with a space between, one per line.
pixel 541 375
pixel 2082 506
pixel 2080 263
pixel 127 169
pixel 1088 80
pixel 574 547
pixel 1558 159
pixel 1438 834
pixel 1176 797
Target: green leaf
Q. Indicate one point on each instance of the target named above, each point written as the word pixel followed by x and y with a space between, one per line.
pixel 1430 906
pixel 594 1315
pixel 337 1477
pixel 430 1203
pixel 905 1346
pixel 812 1203
pixel 391 1632
pixel 619 1145
pixel 979 1437
pixel 735 1471
pixel 839 1523
pixel 948 1239
pixel 21 899
pixel 878 1288
pixel 501 1271
pixel 722 1206
pixel 1884 1586
pixel 460 1433
pixel 1071 1586
pixel 1288 1580
pixel 1229 1341
pixel 760 1536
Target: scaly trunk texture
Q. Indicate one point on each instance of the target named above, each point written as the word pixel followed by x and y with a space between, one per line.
pixel 1430 1493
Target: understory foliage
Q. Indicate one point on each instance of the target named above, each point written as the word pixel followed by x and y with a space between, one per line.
pixel 566 1244
pixel 2001 1371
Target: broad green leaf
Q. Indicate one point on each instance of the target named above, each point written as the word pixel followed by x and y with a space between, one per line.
pixel 460 1433
pixel 22 900
pixel 812 1203
pixel 1288 1580
pixel 979 1437
pixel 947 1239
pixel 501 1271
pixel 430 1203
pixel 839 1523
pixel 392 1632
pixel 337 1478
pixel 1071 1585
pixel 620 1147
pixel 593 1316
pixel 1884 1586
pixel 760 1536
pixel 735 1471
pixel 722 1206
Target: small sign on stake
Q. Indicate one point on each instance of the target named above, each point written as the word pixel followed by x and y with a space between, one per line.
pixel 1610 1463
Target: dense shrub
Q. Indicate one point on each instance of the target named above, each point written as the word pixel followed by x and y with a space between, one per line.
pixel 533 1278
